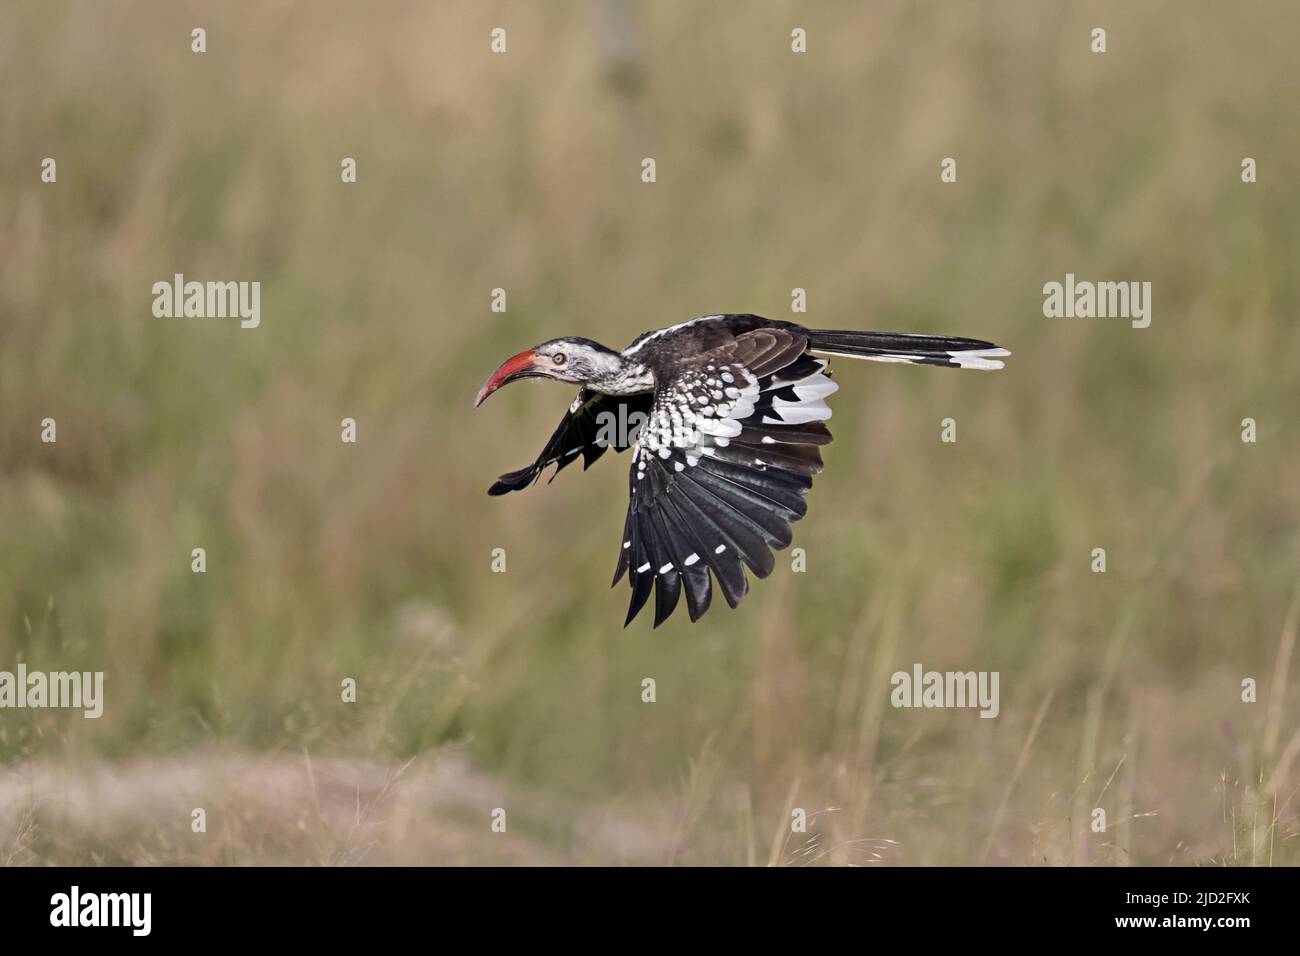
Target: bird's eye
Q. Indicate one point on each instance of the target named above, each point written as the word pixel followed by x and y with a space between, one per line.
pixel 559 358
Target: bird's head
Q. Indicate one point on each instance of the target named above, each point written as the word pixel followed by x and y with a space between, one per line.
pixel 576 360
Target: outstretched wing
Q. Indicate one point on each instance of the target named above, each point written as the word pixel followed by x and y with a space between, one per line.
pixel 720 470
pixel 594 423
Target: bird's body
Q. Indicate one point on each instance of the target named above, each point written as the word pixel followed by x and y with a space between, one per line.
pixel 726 414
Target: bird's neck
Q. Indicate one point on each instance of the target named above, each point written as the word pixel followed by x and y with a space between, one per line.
pixel 628 378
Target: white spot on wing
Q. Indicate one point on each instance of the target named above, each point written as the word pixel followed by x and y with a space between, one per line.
pixel 817 411
pixel 815 387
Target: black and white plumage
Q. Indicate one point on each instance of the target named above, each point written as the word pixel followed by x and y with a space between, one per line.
pixel 726 417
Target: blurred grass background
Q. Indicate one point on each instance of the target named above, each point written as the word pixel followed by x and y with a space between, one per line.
pixel 775 171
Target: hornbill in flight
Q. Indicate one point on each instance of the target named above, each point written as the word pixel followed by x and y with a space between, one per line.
pixel 727 418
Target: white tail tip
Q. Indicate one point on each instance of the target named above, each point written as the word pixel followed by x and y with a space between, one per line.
pixel 979 358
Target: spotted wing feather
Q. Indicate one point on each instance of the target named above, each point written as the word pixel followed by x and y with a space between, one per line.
pixel 720 471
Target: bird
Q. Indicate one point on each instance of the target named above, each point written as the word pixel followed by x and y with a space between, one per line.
pixel 726 417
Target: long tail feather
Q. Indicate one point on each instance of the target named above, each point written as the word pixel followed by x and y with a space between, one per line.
pixel 940 350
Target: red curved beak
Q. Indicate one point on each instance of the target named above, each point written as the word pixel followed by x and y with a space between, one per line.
pixel 517 366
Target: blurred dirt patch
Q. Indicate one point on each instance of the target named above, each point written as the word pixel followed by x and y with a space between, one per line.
pixel 280 809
